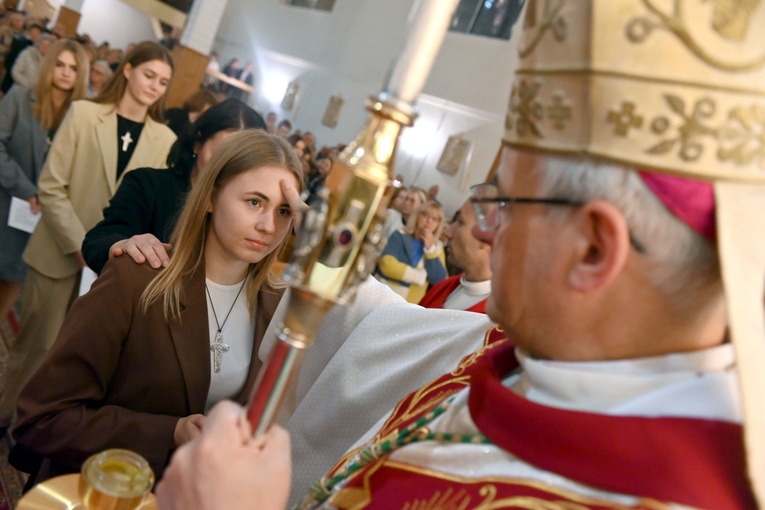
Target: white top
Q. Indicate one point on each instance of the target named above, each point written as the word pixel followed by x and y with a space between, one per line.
pixel 238 333
pixel 393 222
pixel 467 294
pixel 366 357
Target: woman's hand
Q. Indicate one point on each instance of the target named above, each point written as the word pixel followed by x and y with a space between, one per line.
pixel 142 248
pixel 34 204
pixel 225 468
pixel 188 428
pixel 427 238
pixel 297 206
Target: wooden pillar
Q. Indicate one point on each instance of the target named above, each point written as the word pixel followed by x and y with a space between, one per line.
pixel 189 73
pixel 69 19
pixel 191 55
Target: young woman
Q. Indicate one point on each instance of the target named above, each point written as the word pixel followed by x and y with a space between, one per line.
pixel 141 215
pixel 414 257
pixel 28 120
pixel 145 353
pixel 393 218
pixel 96 144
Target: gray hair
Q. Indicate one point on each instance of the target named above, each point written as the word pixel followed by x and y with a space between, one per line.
pixel 104 66
pixel 683 264
pixel 44 37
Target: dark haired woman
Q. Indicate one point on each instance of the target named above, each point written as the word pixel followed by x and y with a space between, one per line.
pixel 141 216
pixel 97 143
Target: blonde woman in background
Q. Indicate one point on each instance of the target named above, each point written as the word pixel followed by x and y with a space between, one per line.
pixel 29 118
pixel 414 256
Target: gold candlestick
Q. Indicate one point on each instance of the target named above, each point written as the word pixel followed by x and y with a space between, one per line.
pixel 341 235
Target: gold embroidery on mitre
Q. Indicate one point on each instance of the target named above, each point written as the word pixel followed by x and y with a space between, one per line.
pixel 731 17
pixel 698 111
pixel 551 22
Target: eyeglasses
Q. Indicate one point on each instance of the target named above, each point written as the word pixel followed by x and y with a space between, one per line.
pixel 487 204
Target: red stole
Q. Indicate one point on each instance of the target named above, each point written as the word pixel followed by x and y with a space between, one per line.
pixel 689 461
pixel 440 292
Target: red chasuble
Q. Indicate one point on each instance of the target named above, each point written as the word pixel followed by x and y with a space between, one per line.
pixel 693 462
pixel 440 292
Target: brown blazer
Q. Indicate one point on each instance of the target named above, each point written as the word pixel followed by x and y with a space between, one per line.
pixel 121 378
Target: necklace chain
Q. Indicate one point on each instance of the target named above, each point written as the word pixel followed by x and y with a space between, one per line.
pixel 212 305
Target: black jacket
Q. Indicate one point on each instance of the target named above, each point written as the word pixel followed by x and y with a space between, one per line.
pixel 148 201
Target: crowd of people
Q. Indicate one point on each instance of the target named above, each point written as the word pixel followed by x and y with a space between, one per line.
pixel 574 302
pixel 90 146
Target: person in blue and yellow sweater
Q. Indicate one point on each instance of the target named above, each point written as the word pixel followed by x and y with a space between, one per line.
pixel 414 256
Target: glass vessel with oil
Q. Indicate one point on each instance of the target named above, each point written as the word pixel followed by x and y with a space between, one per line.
pixel 115 480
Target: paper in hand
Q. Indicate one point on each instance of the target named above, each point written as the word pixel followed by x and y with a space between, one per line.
pixel 20 215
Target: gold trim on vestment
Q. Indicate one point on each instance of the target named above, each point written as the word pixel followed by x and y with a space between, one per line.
pixel 356 498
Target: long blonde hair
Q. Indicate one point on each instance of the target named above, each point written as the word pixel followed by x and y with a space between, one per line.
pixel 45 111
pixel 116 86
pixel 243 151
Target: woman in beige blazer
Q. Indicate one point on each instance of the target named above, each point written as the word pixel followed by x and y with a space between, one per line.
pixel 146 352
pixel 89 155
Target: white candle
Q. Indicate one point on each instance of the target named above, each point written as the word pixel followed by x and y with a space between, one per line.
pixel 429 21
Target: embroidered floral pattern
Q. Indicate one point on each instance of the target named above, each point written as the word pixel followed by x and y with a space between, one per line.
pixel 551 22
pixel 730 19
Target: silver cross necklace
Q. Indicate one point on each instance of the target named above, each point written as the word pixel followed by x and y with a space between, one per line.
pixel 217 346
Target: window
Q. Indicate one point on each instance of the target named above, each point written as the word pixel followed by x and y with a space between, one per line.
pixel 491 18
pixel 322 5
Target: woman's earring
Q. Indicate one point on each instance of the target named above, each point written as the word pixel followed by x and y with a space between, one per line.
pixel 193 155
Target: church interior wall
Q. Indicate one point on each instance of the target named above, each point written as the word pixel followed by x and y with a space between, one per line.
pixel 348 51
pixel 112 20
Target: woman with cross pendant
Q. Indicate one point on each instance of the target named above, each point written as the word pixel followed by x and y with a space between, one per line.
pixel 144 354
pixel 98 142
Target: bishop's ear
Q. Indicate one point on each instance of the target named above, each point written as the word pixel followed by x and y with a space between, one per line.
pixel 602 246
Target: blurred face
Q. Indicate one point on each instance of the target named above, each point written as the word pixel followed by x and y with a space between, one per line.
pixel 463 246
pixel 283 131
pixel 98 77
pixel 65 71
pixel 43 46
pixel 429 220
pixel 250 216
pixel 33 34
pixel 300 148
pixel 205 151
pixel 147 82
pixel 325 165
pixel 398 202
pixel 309 139
pixel 17 20
pixel 411 203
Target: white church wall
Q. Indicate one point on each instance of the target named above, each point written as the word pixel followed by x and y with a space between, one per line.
pixel 114 21
pixel 348 51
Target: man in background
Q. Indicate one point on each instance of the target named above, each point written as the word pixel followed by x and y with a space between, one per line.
pixel 470 289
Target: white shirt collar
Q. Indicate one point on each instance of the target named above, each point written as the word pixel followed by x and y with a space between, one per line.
pixel 673 384
pixel 475 288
